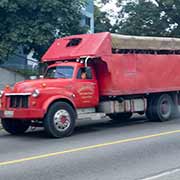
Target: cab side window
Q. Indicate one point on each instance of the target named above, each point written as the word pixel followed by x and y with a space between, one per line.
pixel 84 73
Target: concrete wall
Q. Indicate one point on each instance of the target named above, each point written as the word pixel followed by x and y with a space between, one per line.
pixel 9 77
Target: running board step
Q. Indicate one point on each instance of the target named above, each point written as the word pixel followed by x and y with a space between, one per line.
pixel 91 116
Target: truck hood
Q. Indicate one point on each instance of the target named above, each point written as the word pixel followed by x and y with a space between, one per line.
pixel 31 85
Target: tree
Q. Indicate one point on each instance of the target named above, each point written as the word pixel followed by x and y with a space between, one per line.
pixel 171 10
pixel 36 23
pixel 104 1
pixel 101 20
pixel 146 17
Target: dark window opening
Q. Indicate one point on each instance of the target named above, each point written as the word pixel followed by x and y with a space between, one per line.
pixel 73 42
pixel 88 21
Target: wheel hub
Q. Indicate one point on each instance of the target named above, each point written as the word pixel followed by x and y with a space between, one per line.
pixel 165 107
pixel 62 120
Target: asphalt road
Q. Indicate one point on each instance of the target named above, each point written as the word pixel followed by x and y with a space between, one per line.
pixel 137 150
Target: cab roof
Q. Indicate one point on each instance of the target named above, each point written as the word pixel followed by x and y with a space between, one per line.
pixel 73 47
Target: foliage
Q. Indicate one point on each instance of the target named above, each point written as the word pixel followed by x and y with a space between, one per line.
pixel 147 17
pixel 36 23
pixel 105 1
pixel 101 20
pixel 152 18
pixel 28 72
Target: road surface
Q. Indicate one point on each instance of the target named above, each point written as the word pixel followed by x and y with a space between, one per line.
pixel 137 150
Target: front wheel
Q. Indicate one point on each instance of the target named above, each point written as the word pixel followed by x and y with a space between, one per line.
pixel 60 120
pixel 14 126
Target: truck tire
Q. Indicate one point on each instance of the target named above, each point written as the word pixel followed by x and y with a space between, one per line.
pixel 59 120
pixel 161 108
pixel 15 127
pixel 119 117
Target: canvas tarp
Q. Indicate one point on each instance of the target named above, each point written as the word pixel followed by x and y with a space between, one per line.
pixel 144 42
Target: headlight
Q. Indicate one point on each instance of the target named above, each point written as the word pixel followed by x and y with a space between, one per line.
pixel 1 93
pixel 35 93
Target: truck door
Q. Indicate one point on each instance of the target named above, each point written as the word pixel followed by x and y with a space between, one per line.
pixel 86 89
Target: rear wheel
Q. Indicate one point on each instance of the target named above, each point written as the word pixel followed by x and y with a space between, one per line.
pixel 119 117
pixel 160 108
pixel 60 120
pixel 14 126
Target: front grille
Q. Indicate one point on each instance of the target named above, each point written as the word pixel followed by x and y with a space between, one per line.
pixel 19 101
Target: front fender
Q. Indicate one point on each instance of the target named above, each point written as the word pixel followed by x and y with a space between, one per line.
pixel 50 100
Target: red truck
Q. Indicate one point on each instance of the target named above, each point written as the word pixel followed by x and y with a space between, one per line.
pixel 93 75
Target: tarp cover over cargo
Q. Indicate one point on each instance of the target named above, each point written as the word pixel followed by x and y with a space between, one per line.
pixel 124 73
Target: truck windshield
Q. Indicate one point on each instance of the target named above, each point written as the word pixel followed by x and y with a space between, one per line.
pixel 60 72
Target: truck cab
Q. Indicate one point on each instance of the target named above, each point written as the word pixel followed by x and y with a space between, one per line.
pixel 69 76
pixel 32 100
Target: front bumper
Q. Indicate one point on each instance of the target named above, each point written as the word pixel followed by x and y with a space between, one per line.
pixel 25 114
